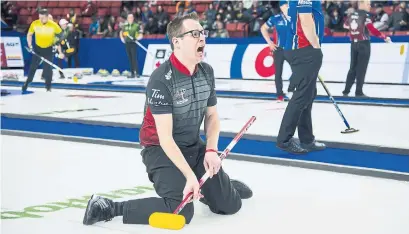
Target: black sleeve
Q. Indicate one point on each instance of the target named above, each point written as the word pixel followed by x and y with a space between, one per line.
pixel 159 98
pixel 212 101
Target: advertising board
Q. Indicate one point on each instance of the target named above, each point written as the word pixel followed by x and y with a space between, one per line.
pixel 11 52
pixel 388 64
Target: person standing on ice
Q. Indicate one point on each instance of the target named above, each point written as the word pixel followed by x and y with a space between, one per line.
pixel 303 52
pixel 131 31
pixel 281 24
pixel 180 94
pixel 46 32
pixel 359 25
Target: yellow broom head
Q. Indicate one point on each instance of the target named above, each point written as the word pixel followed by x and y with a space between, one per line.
pixel 167 221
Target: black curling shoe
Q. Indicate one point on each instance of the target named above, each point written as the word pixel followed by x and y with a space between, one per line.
pixel 98 209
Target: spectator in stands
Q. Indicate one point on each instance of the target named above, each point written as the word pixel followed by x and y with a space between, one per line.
pixel 4 7
pixel 190 9
pixel 162 18
pixel 94 26
pixel 399 20
pixel 255 25
pixel 111 28
pixel 218 20
pixel 184 8
pixel 341 6
pixel 72 17
pixel 223 4
pixel 211 14
pixel 121 23
pixel 327 19
pixel 125 11
pixel 118 24
pixel 257 7
pixel 205 22
pixel 88 9
pixel 138 15
pixel 228 19
pixel 395 4
pixel 146 13
pixel 112 21
pixel 381 19
pixel 152 2
pixel 220 12
pixel 241 13
pixel 127 5
pixel 266 12
pixel 102 26
pixel 336 21
pixel 180 11
pixel 9 13
pixel 220 31
pixel 229 14
pixel 110 32
pixel 152 26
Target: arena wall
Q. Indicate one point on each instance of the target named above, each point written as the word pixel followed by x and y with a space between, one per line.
pixel 242 58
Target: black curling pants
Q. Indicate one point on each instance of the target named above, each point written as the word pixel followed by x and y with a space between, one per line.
pixel 169 183
pixel 305 64
pixel 279 59
pixel 48 54
pixel 131 53
pixel 360 55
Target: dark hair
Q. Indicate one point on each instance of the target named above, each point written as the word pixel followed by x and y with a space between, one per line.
pixel 175 27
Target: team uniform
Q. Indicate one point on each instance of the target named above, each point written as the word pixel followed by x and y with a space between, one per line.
pixel 71 47
pixel 305 62
pixel 281 24
pixel 173 90
pixel 132 30
pixel 64 34
pixel 359 24
pixel 45 35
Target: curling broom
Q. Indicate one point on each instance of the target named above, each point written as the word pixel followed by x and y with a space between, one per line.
pixel 175 221
pixel 349 129
pixel 45 60
pixel 140 45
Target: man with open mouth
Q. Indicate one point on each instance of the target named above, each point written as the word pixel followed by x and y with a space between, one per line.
pixel 180 96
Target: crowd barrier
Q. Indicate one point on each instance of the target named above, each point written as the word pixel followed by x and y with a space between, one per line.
pixel 248 58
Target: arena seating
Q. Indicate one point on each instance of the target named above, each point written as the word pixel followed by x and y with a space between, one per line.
pixel 27 12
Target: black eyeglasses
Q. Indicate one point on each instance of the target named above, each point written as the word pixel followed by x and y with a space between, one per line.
pixel 196 33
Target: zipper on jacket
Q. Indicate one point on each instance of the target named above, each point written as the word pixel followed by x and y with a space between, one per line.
pixel 193 86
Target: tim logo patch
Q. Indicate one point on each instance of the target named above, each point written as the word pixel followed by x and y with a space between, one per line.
pixel 180 97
